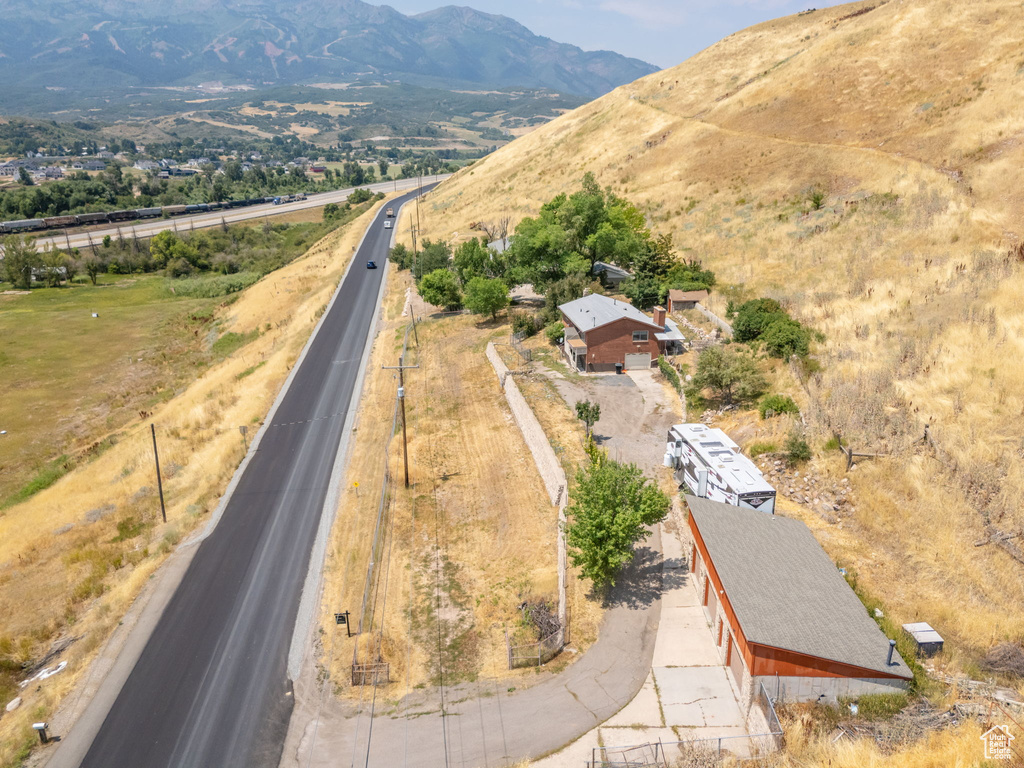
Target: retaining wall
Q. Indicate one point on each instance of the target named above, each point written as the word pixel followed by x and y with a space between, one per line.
pixel 544 457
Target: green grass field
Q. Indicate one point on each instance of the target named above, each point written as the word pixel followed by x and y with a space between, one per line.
pixel 71 379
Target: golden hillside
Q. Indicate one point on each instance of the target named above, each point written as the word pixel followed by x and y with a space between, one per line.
pixel 906 115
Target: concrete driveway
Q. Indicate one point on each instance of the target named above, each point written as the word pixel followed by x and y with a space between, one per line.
pixel 687 694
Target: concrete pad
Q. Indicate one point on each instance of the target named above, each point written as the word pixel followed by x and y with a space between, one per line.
pixel 697 697
pixel 684 637
pixel 642 710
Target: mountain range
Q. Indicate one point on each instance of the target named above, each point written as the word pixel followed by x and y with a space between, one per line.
pixel 109 44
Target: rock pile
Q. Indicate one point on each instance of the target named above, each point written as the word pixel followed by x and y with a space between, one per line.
pixel 830 499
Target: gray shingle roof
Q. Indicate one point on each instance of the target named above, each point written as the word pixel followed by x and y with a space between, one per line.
pixel 596 310
pixel 785 590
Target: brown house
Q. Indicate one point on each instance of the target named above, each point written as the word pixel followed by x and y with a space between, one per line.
pixel 678 300
pixel 781 613
pixel 601 333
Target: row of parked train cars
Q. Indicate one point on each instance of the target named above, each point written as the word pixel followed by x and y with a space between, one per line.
pixel 57 222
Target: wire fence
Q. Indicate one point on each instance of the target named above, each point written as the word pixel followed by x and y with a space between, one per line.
pixel 697 752
pixel 376 671
pixel 538 653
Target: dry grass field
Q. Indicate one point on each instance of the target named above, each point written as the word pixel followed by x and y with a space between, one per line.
pixel 905 117
pixel 74 556
pixel 473 536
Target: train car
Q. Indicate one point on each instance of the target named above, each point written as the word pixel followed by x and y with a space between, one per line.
pixel 23 225
pixel 60 221
pixel 121 215
pixel 147 213
pixel 92 218
pixel 174 210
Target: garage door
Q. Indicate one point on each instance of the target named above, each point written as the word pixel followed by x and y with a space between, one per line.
pixel 735 662
pixel 638 362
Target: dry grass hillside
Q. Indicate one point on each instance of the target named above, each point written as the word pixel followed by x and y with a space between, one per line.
pixel 75 556
pixel 905 116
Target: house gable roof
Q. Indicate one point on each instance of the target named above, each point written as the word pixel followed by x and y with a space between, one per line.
pixel 785 590
pixel 595 310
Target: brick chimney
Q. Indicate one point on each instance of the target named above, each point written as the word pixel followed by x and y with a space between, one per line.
pixel 659 316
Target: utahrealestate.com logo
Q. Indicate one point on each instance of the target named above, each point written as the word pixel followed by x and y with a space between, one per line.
pixel 998 743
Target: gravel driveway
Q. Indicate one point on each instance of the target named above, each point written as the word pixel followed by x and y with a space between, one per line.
pixel 637 409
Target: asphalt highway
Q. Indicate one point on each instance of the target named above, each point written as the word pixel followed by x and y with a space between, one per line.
pixel 210 689
pixel 150 227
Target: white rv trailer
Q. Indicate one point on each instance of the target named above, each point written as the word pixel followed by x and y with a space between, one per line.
pixel 711 466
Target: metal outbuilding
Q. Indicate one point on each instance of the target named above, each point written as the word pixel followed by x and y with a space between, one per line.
pixel 929 642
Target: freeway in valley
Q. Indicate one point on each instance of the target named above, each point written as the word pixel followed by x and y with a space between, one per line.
pixel 150 227
pixel 210 688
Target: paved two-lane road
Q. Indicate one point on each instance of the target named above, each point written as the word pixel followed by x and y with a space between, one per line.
pixel 210 689
pixel 149 227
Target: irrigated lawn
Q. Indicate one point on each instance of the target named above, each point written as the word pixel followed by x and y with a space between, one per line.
pixel 70 379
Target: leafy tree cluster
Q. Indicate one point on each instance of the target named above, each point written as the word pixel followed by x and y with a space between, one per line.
pixel 471 276
pixel 234 250
pixel 612 505
pixel 557 250
pixel 113 190
pixel 765 321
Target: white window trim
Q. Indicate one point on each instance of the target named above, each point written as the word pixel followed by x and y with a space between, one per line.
pixel 646 337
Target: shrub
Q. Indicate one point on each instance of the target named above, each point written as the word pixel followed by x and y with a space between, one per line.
pixel 525 323
pixel 785 337
pixel 555 331
pixel 753 318
pixel 776 405
pixel 669 373
pixel 797 448
pixel 213 286
pixel 758 449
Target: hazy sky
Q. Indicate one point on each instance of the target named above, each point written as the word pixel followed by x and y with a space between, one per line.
pixel 663 32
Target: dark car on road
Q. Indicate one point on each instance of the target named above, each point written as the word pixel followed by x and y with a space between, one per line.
pixel 371 265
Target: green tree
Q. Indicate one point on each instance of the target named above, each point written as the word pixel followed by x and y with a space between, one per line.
pixel 486 296
pixel 731 376
pixel 401 256
pixel 785 337
pixel 474 259
pixel 20 258
pixel 25 177
pixel 589 413
pixel 93 266
pixel 612 504
pixel 441 288
pixel 753 317
pixel 331 212
pixel 643 292
pixel 433 255
pixel 383 165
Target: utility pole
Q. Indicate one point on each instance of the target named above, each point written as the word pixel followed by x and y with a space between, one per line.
pixel 159 482
pixel 401 398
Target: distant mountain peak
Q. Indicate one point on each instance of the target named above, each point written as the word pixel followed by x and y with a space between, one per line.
pixel 121 43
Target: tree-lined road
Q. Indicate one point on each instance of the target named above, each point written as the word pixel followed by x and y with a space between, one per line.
pixel 210 688
pixel 149 227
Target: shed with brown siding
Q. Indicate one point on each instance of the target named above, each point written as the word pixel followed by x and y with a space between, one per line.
pixel 680 300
